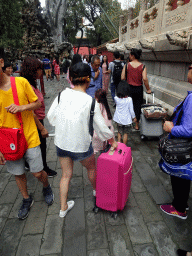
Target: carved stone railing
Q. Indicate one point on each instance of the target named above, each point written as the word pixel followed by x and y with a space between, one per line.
pixel 157 24
pixel 177 18
pixel 133 28
pixel 150 21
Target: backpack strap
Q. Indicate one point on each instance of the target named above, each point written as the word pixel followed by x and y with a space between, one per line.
pixel 143 67
pixel 91 117
pixel 59 95
pixel 16 99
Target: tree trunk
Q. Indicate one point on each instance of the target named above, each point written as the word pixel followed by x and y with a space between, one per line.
pixel 56 13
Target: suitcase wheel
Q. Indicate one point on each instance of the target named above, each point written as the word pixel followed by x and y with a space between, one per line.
pixel 142 137
pixel 95 209
pixel 114 215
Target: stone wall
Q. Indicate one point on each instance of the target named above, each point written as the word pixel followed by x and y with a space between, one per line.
pixel 164 33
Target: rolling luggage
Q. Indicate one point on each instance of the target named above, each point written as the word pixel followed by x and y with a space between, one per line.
pixel 150 127
pixel 114 174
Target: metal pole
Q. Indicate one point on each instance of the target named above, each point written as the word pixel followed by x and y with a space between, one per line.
pixel 108 17
pixel 102 21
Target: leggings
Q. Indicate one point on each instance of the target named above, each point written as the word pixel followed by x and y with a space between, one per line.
pixel 136 93
pixel 181 189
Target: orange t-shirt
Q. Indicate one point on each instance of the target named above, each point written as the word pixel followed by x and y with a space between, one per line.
pixel 26 95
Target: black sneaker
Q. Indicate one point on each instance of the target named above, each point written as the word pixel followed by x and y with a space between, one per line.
pixel 24 210
pixel 48 194
pixel 50 173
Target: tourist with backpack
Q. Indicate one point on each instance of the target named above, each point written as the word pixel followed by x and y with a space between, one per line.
pixel 115 69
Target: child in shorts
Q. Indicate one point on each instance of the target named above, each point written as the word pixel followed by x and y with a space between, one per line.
pixel 124 113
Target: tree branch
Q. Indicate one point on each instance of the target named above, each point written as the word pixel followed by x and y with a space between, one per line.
pixel 49 14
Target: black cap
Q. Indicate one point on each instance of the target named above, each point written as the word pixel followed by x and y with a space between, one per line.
pixel 80 70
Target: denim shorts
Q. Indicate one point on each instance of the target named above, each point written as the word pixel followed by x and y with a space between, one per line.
pixel 75 156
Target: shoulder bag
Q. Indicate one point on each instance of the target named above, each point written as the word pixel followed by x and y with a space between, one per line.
pixel 176 150
pixel 13 143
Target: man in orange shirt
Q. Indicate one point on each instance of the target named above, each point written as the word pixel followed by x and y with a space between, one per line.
pixel 28 102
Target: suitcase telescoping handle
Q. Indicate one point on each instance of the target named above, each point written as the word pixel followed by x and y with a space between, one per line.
pixel 130 166
pixel 147 97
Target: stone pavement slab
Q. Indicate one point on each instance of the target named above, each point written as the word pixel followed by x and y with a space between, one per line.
pixel 141 229
pixel 29 245
pixel 74 232
pixel 52 237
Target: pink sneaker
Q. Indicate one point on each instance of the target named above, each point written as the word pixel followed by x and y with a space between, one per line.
pixel 170 210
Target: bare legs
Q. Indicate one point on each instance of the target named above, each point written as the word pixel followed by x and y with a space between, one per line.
pixel 58 77
pixel 136 125
pixel 89 164
pixel 125 138
pixel 67 172
pixel 21 181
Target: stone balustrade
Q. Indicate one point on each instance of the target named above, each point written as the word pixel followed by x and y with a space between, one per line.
pixel 164 33
pixel 157 20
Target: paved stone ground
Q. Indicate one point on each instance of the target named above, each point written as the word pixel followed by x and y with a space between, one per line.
pixel 141 229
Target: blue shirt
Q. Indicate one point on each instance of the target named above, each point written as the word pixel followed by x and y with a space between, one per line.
pixel 185 127
pixel 94 85
pixel 46 63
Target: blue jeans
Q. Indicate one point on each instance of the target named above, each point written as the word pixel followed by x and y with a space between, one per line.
pixel 113 90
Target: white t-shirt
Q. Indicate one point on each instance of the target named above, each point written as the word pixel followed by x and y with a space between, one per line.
pixel 124 112
pixel 71 120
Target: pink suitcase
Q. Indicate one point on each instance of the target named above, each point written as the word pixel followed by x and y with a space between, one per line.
pixel 114 174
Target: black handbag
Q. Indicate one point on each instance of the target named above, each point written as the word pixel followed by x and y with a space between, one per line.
pixel 176 150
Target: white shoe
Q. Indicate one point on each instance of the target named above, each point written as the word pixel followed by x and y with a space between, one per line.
pixel 94 192
pixel 70 204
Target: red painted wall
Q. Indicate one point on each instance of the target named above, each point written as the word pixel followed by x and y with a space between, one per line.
pixel 175 3
pixel 108 54
pixel 84 50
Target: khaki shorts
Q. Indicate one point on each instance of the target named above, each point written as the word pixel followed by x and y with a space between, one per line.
pixel 32 157
pixel 124 129
pixel 48 72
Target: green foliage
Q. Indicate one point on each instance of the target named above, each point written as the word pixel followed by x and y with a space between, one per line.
pixel 96 31
pixel 99 33
pixel 73 20
pixel 11 29
pixel 136 10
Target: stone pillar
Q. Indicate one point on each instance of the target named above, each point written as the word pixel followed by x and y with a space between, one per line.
pixel 180 3
pixel 130 13
pixel 121 20
pixel 143 4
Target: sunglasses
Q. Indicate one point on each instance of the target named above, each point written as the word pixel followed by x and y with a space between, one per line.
pixel 190 67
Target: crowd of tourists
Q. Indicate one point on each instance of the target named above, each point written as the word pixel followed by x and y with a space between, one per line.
pixel 91 78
